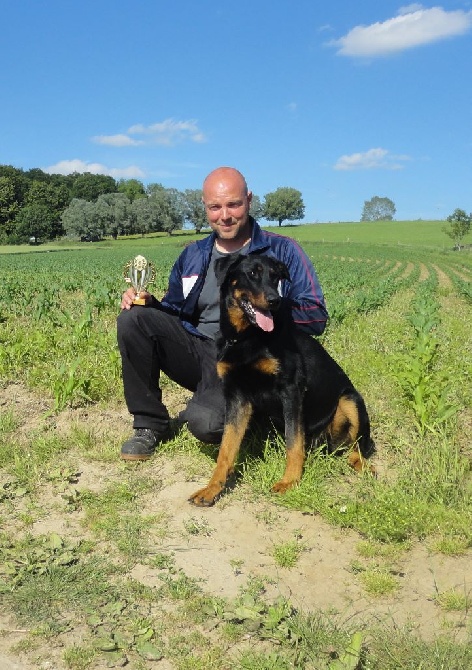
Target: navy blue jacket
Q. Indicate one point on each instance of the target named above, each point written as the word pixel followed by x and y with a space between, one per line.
pixel 303 291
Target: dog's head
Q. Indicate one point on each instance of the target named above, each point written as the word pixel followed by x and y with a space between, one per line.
pixel 249 286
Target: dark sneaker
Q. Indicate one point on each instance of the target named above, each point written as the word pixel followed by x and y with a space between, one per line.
pixel 141 445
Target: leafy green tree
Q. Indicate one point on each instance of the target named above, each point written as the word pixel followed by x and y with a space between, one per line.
pixel 168 206
pixel 195 209
pixel 54 197
pixel 132 188
pixel 284 204
pixel 51 195
pixel 35 222
pixel 88 186
pixel 378 209
pixel 114 213
pixel 143 216
pixel 460 226
pixel 81 220
pixel 9 206
pixel 256 210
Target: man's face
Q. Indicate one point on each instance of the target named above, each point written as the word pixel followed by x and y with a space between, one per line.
pixel 227 207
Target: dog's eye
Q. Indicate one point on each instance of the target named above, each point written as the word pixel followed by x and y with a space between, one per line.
pixel 254 273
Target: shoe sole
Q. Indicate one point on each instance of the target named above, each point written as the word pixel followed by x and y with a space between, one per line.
pixel 135 457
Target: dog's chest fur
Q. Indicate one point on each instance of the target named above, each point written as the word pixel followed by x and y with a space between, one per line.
pixel 260 366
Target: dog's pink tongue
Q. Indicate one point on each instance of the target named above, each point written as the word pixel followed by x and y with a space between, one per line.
pixel 264 320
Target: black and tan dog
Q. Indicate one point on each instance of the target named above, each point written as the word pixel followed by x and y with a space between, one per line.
pixel 267 364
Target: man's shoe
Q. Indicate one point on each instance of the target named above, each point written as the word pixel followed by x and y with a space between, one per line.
pixel 141 445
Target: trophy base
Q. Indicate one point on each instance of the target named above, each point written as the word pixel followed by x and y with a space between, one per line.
pixel 139 301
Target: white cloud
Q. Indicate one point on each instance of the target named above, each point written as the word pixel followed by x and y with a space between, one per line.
pixel 116 140
pixel 373 159
pixel 414 26
pixel 168 132
pixel 77 165
pixel 408 9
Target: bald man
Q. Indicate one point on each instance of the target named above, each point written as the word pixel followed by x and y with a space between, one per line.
pixel 177 334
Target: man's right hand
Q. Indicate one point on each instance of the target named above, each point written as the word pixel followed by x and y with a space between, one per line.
pixel 130 294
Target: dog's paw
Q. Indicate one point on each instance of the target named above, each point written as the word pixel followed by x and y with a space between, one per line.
pixel 282 487
pixel 360 464
pixel 203 498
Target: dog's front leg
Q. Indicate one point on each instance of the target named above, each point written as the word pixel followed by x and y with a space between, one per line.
pixel 295 446
pixel 237 422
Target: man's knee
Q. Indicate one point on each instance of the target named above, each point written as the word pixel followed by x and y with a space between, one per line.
pixel 126 322
pixel 129 321
pixel 205 423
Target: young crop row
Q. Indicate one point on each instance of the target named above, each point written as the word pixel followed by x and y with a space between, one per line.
pixel 57 315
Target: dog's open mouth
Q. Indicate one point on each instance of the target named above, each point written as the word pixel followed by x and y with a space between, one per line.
pixel 258 317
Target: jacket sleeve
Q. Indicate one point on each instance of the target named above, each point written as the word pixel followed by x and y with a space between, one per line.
pixel 304 292
pixel 174 297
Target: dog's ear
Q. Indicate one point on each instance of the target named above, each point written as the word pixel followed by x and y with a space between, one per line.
pixel 225 264
pixel 282 270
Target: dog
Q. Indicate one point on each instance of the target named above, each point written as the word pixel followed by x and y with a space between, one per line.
pixel 267 364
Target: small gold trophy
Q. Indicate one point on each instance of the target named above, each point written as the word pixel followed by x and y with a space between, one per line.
pixel 139 272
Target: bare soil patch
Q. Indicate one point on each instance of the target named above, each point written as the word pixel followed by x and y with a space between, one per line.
pixel 240 536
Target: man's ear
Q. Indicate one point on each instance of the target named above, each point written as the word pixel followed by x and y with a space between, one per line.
pixel 224 265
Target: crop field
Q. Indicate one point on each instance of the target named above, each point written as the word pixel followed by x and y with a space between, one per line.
pixel 104 564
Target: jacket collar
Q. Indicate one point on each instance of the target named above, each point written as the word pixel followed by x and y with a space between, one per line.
pixel 258 240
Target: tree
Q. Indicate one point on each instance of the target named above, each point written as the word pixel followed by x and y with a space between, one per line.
pixel 81 220
pixel 168 206
pixel 143 216
pixel 88 186
pixel 35 222
pixel 284 204
pixel 195 209
pixel 460 226
pixel 114 213
pixel 13 187
pixel 9 205
pixel 132 188
pixel 378 209
pixel 55 198
pixel 256 210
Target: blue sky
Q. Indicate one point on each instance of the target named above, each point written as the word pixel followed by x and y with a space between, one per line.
pixel 342 100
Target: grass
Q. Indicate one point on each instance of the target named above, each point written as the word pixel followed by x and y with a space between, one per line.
pixel 90 569
pixel 286 554
pixel 453 600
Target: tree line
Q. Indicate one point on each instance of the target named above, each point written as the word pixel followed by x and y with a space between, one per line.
pixel 36 206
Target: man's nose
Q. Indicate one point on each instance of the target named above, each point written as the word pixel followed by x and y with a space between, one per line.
pixel 225 213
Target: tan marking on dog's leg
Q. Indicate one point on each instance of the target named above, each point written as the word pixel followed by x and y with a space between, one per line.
pixel 345 411
pixel 293 465
pixel 355 459
pixel 232 437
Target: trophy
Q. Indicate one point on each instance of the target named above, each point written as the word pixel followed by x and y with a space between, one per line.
pixel 139 272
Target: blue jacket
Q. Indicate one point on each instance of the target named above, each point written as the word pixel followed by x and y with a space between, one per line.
pixel 303 291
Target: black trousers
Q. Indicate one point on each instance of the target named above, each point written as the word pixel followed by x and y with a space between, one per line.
pixel 151 341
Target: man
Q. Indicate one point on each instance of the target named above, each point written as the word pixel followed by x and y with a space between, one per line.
pixel 176 335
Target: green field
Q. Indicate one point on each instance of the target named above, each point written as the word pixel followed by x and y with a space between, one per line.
pixel 400 302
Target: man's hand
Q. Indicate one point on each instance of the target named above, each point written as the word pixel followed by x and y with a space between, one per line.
pixel 130 294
